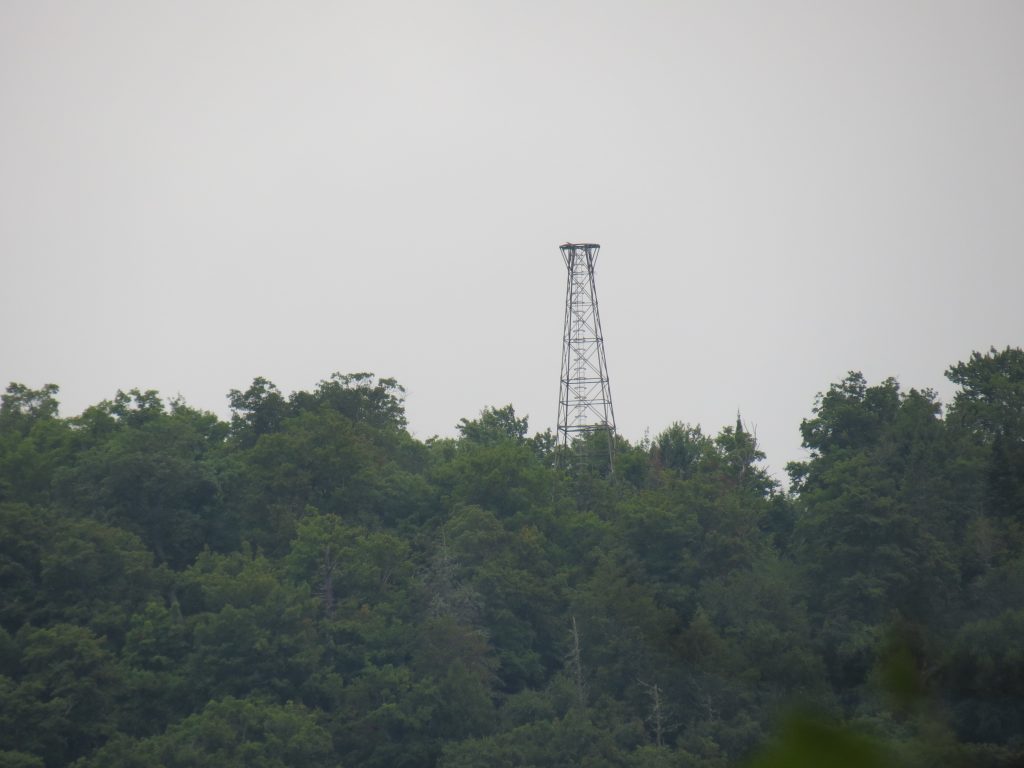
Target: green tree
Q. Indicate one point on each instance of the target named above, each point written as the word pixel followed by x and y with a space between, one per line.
pixel 505 567
pixel 383 719
pixel 360 397
pixel 33 442
pixel 64 696
pixel 251 631
pixel 21 407
pixel 55 569
pixel 874 517
pixel 494 426
pixel 990 406
pixel 681 448
pixel 985 674
pixel 320 460
pixel 229 733
pixel 259 410
pixel 150 477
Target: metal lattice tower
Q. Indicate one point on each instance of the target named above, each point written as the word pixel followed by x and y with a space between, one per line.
pixel 585 399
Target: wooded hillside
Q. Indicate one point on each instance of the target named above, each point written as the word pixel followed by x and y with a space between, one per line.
pixel 309 585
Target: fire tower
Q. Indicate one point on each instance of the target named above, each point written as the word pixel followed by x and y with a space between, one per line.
pixel 585 399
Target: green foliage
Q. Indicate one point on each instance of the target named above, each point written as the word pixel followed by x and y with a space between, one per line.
pixel 808 743
pixel 59 569
pixel 986 672
pixel 251 630
pixel 310 585
pixel 494 426
pixel 876 518
pixel 259 410
pixel 10 759
pixel 229 733
pixel 572 740
pixel 989 406
pixel 21 407
pixel 990 401
pixel 681 447
pixel 33 443
pixel 152 476
pixel 505 477
pixel 360 397
pixel 62 700
pixel 850 415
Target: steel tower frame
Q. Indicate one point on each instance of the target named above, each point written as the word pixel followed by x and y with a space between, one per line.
pixel 585 397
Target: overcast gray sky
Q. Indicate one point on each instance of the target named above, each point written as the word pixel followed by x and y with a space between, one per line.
pixel 193 194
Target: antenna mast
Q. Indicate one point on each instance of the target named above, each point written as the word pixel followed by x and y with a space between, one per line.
pixel 585 399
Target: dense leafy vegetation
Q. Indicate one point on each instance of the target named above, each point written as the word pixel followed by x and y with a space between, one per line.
pixel 308 585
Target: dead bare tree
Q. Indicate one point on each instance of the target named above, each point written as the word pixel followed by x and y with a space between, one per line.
pixel 328 565
pixel 658 718
pixel 575 665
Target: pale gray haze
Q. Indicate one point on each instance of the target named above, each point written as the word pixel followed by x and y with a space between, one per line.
pixel 193 194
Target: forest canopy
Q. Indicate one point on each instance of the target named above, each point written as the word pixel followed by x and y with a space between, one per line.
pixel 307 584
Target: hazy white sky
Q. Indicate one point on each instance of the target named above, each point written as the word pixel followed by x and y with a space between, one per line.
pixel 196 193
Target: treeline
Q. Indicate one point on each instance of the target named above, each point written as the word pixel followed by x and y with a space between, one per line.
pixel 309 585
